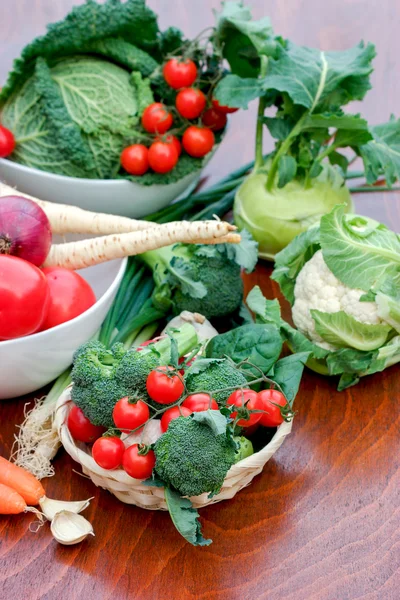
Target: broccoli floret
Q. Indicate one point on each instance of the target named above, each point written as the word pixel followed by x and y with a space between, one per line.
pixel 191 458
pixel 218 375
pixel 101 377
pixel 199 278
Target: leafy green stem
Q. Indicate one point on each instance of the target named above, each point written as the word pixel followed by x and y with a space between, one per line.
pixel 260 125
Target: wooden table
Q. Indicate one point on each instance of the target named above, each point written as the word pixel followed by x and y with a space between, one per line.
pixel 322 521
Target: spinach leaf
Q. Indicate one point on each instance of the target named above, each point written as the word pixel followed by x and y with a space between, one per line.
pixel 185 518
pixel 288 372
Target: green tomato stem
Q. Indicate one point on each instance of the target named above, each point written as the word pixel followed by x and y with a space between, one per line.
pixel 260 125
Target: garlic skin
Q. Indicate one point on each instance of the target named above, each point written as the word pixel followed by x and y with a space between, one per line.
pixel 70 528
pixel 51 507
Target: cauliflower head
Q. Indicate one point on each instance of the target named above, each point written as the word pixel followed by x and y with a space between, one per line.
pixel 318 288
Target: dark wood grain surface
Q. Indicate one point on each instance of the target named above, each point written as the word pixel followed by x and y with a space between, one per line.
pixel 322 521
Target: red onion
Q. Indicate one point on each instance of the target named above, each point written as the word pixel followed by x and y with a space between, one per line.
pixel 24 229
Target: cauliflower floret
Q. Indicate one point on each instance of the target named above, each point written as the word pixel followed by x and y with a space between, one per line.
pixel 317 288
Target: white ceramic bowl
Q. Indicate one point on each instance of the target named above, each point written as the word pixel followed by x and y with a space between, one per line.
pixel 29 363
pixel 113 196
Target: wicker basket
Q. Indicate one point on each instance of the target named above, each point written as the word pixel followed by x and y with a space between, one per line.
pixel 132 491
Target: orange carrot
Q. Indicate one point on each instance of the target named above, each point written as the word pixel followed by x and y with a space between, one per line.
pixel 21 481
pixel 11 503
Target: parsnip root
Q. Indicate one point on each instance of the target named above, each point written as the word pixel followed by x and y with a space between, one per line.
pixel 85 253
pixel 71 219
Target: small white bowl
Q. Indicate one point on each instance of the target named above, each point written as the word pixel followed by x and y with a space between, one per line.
pixel 113 196
pixel 28 363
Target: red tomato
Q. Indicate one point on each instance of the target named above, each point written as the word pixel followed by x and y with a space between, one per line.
pixel 163 388
pixel 180 73
pixel 156 118
pixel 24 297
pixel 138 461
pixel 70 296
pixel 81 428
pixel 7 142
pixel 171 139
pixel 214 120
pixel 130 415
pixel 246 400
pixel 199 402
pixel 163 157
pixel 268 398
pixel 198 141
pixel 135 159
pixel 173 413
pixel 225 110
pixel 108 452
pixel 190 103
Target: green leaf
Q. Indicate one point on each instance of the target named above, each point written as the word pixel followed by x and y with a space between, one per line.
pixel 202 364
pixel 351 137
pixel 266 311
pixel 174 360
pixel 260 344
pixel 288 372
pixel 381 156
pixel 182 272
pixel 347 380
pixel 244 254
pixel 360 252
pixel 342 330
pixel 287 169
pixel 242 39
pixel 298 342
pixel 389 309
pixel 123 53
pixel 348 360
pixel 335 158
pixel 316 169
pixel 213 419
pixel 321 81
pixel 279 128
pixel 236 92
pixel 185 518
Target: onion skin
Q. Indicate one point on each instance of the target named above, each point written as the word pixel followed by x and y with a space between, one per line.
pixel 25 230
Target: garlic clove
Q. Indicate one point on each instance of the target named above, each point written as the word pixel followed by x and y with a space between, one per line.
pixel 51 507
pixel 70 528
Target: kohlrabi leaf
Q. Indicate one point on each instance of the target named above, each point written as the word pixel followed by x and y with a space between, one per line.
pixel 213 419
pixel 336 158
pixel 288 372
pixel 336 120
pixel 279 128
pixel 287 168
pixel 389 309
pixel 260 344
pixel 359 251
pixel 266 311
pixel 351 138
pixel 243 40
pixel 343 331
pixel 238 92
pixel 185 518
pixel 381 155
pixel 319 80
pixel 290 261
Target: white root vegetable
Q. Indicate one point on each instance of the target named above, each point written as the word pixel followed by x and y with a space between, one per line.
pixel 85 253
pixel 71 219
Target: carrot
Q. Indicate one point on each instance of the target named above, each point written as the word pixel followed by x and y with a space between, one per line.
pixel 11 503
pixel 71 219
pixel 85 253
pixel 21 481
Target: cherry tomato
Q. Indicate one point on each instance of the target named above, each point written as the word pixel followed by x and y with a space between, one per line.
pixel 24 297
pixel 199 402
pixel 245 399
pixel 190 103
pixel 171 139
pixel 136 464
pixel 7 142
pixel 156 118
pixel 81 428
pixel 163 388
pixel 225 110
pixel 108 452
pixel 273 416
pixel 70 296
pixel 135 159
pixel 130 415
pixel 163 157
pixel 180 73
pixel 198 141
pixel 214 120
pixel 173 413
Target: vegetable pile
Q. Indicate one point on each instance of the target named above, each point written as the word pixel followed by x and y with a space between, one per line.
pixel 342 279
pixel 104 88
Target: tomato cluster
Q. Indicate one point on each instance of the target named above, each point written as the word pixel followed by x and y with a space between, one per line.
pixel 267 408
pixel 34 299
pixel 191 103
